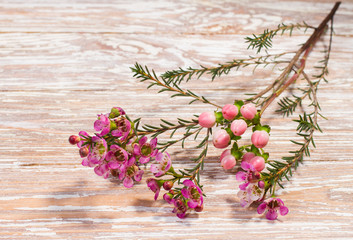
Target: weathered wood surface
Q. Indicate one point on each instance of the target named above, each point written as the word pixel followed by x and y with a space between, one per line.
pixel 63 62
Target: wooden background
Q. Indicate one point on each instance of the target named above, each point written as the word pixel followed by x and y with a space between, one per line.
pixel 63 62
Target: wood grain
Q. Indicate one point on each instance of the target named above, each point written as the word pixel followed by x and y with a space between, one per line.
pixel 63 62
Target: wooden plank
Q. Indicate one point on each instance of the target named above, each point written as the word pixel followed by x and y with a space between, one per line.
pixel 61 64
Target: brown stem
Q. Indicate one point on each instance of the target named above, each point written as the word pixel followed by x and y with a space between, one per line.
pixel 307 47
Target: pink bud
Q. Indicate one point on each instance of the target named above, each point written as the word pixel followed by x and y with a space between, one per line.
pixel 83 151
pixel 260 138
pixel 168 185
pixel 229 111
pixel 258 163
pixel 228 162
pixel 207 119
pixel 221 139
pixel 248 111
pixel 261 184
pixel 238 127
pixel 248 156
pixel 73 139
pixel 224 154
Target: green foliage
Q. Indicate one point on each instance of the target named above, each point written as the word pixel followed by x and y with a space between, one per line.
pixel 264 40
pixel 144 74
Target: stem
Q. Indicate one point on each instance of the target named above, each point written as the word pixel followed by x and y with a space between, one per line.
pixel 307 47
pixel 155 79
pixel 167 129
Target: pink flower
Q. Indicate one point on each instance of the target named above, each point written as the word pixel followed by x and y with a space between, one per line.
pixel 253 192
pixel 180 208
pixel 123 128
pixel 248 111
pixel 116 112
pixel 193 193
pixel 116 157
pixel 258 163
pixel 98 150
pixel 260 138
pixel 164 164
pixel 102 170
pixel 249 176
pixel 207 119
pixel 238 127
pixel 273 205
pixel 102 124
pixel 155 186
pixel 130 171
pixel 146 150
pixel 221 139
pixel 229 111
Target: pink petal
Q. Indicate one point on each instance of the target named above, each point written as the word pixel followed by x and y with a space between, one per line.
pixel 144 160
pixel 261 208
pixel 243 186
pixel 241 176
pixel 105 131
pixel 153 142
pixel 128 182
pixel 143 140
pixel 245 165
pixel 98 125
pixel 106 175
pixel 192 204
pixel 109 155
pixel 138 175
pixel 185 193
pixel 181 215
pixel 131 162
pixel 113 164
pixel 159 157
pixel 283 210
pixel 154 152
pixel 271 215
pixel 137 150
pixel 85 162
pixel 117 133
pixel 156 195
pixel 188 183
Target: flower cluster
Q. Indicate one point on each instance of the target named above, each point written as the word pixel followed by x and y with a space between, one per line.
pixel 115 148
pixel 119 148
pixel 235 120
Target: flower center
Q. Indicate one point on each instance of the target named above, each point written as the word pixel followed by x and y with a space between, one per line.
pixel 146 150
pixel 119 155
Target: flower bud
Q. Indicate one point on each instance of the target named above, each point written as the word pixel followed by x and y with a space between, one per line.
pixel 248 156
pixel 229 111
pixel 199 208
pixel 248 111
pixel 260 138
pixel 228 162
pixel 73 139
pixel 224 154
pixel 261 184
pixel 238 127
pixel 168 185
pixel 168 197
pixel 207 119
pixel 83 151
pixel 221 139
pixel 258 163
